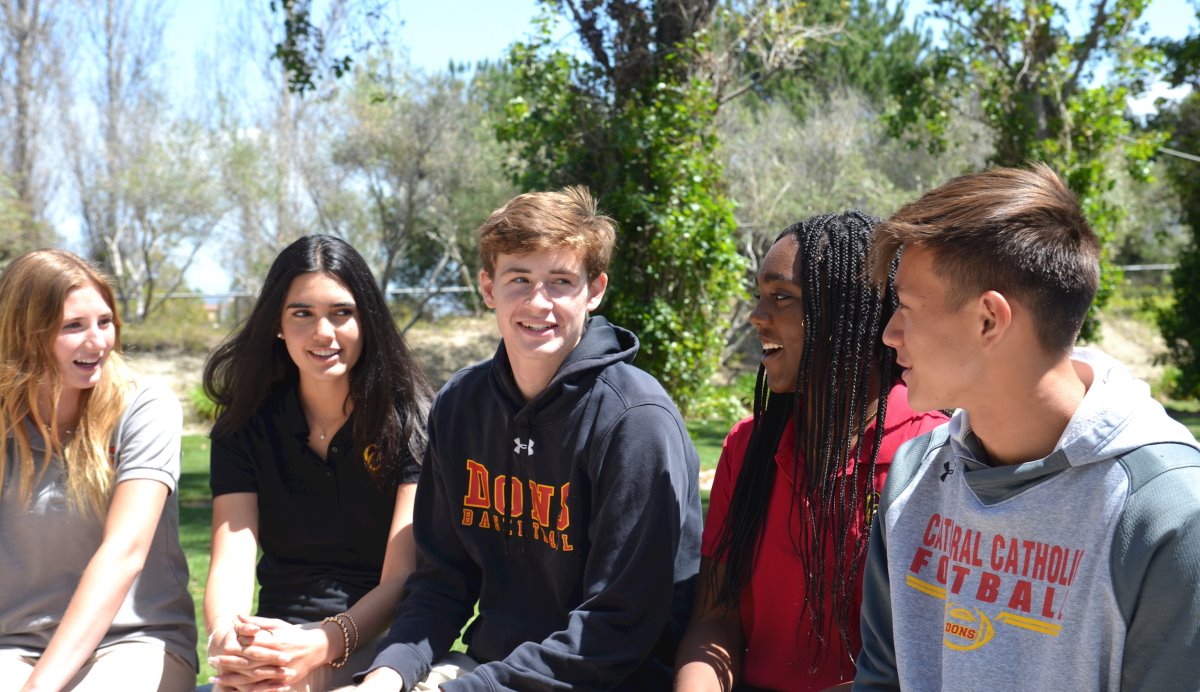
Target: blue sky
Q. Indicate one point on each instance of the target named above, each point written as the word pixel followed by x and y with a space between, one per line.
pixel 463 30
pixel 435 32
pixel 1169 18
pixel 470 30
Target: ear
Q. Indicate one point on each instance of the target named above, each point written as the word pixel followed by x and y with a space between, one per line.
pixel 996 316
pixel 485 287
pixel 596 288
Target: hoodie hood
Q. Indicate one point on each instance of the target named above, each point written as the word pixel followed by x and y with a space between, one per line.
pixel 601 345
pixel 1116 416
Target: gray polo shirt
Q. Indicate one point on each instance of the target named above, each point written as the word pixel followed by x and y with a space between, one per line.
pixel 45 546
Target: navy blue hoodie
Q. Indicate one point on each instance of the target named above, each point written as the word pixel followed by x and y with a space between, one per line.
pixel 573 518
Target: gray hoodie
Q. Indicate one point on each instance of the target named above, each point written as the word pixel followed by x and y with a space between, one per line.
pixel 1078 571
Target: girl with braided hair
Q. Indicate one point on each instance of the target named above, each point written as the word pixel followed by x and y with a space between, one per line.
pixel 786 533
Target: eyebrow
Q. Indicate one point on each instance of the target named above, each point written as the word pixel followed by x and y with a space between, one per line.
pixel 76 318
pixel 343 304
pixel 522 270
pixel 776 277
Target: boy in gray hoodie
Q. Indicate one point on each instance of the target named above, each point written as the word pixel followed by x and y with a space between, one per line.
pixel 1048 537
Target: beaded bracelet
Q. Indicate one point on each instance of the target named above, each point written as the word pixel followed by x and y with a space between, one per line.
pixel 354 627
pixel 345 657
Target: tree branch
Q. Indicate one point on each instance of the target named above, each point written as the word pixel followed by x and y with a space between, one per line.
pixel 1090 42
pixel 592 37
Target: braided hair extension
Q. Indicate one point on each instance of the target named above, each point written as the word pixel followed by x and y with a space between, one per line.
pixel 842 383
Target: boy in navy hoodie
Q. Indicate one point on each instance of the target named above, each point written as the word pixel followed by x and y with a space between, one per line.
pixel 1048 536
pixel 560 487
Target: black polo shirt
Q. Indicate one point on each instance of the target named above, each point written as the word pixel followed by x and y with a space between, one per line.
pixel 322 525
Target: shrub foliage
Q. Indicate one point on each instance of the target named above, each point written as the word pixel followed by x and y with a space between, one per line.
pixel 636 125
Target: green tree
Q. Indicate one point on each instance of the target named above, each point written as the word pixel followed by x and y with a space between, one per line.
pixel 632 117
pixel 1036 81
pixel 271 150
pixel 423 150
pixel 302 50
pixel 13 220
pixel 868 41
pixel 782 167
pixel 1180 324
pixel 147 200
pixel 1182 58
pixel 34 35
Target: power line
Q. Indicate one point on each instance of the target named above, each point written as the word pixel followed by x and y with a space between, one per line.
pixel 1165 150
pixel 1147 267
pixel 1180 154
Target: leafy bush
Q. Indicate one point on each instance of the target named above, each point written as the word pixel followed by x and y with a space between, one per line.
pixel 728 403
pixel 1180 323
pixel 644 141
pixel 1167 384
pixel 206 409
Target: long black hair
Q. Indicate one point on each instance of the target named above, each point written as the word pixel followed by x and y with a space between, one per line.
pixel 390 393
pixel 844 370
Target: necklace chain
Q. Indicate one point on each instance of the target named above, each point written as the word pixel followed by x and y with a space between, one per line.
pixel 324 432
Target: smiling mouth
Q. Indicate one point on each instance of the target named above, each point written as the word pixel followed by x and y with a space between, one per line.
pixel 770 348
pixel 326 353
pixel 537 326
pixel 87 363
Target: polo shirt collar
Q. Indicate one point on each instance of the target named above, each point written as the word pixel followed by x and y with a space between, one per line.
pixel 291 416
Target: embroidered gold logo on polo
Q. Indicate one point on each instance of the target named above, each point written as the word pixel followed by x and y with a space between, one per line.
pixel 371 457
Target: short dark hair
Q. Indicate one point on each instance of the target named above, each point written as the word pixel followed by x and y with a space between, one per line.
pixel 390 393
pixel 1017 231
pixel 568 218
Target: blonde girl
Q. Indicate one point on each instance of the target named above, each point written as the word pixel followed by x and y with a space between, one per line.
pixel 93 582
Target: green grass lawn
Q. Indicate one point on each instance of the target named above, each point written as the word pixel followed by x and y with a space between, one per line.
pixel 195 521
pixel 1188 416
pixel 708 436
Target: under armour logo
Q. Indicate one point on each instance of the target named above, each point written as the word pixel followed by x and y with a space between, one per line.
pixel 520 446
pixel 947 473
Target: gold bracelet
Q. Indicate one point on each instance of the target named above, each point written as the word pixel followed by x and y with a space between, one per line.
pixel 341 661
pixel 354 627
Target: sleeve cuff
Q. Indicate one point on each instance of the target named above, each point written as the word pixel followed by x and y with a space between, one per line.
pixel 149 474
pixel 405 659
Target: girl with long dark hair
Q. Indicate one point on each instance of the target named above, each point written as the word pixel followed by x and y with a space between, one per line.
pixel 315 459
pixel 93 582
pixel 786 533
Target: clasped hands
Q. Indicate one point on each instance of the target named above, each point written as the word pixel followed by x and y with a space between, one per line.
pixel 257 654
